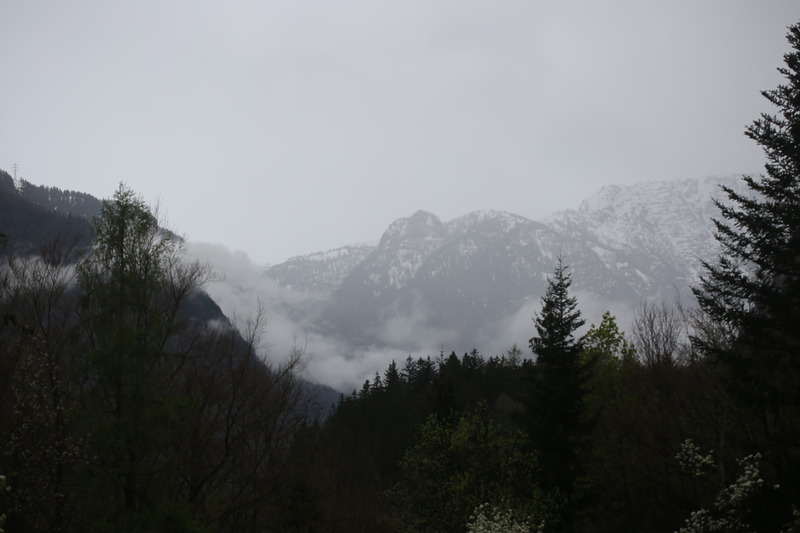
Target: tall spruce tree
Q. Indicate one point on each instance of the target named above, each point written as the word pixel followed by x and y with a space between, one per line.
pixel 555 400
pixel 753 290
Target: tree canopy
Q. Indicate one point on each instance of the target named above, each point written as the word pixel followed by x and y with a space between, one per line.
pixel 753 290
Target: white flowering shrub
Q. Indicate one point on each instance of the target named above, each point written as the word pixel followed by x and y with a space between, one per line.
pixel 492 519
pixel 691 461
pixel 725 512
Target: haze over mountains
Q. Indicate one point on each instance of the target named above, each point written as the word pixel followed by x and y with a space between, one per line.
pixel 471 282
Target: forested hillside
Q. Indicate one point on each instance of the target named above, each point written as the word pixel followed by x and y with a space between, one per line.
pixel 127 401
pixel 27 224
pixel 66 202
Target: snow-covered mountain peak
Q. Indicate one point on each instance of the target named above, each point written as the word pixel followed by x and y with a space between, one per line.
pixel 422 225
pixel 657 225
pixel 693 193
pixel 500 222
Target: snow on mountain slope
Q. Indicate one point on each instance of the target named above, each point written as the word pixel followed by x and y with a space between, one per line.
pixel 403 248
pixel 320 272
pixel 652 233
pixel 462 279
pixel 661 216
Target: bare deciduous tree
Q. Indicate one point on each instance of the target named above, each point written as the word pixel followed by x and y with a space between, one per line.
pixel 660 334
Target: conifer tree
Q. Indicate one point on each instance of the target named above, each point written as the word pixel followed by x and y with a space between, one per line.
pixel 555 400
pixel 755 286
pixel 753 290
pixel 557 322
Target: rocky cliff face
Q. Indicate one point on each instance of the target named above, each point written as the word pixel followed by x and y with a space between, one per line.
pixel 653 235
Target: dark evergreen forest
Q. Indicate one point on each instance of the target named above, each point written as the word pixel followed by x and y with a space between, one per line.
pixel 121 409
pixel 30 219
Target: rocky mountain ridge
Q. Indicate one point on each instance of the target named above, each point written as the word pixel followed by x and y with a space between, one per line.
pixel 465 277
pixel 320 272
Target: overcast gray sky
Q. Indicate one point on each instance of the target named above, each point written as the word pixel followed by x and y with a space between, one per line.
pixel 283 128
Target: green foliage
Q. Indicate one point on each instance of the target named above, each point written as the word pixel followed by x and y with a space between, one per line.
pixel 606 352
pixel 458 463
pixel 362 443
pixel 606 344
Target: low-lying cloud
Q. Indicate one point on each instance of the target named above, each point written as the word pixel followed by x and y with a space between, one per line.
pixel 244 293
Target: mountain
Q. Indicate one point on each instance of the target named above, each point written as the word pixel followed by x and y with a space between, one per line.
pixel 455 278
pixel 463 281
